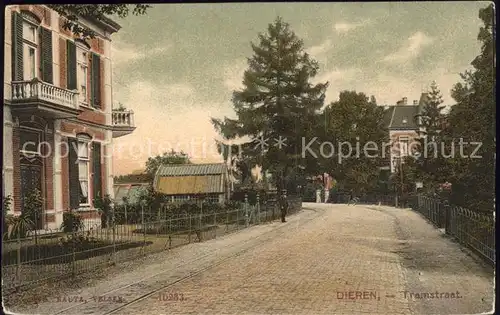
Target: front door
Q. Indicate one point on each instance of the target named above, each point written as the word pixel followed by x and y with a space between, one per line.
pixel 31 181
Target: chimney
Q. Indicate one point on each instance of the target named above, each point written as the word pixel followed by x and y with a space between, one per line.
pixel 405 101
pixel 415 102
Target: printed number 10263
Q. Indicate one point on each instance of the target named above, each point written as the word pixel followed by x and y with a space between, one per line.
pixel 170 297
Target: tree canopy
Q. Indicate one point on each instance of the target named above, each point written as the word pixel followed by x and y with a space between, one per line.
pixel 473 119
pixel 355 126
pixel 171 157
pixel 100 12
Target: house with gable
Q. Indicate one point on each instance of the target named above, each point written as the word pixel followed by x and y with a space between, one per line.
pixel 403 126
pixel 59 123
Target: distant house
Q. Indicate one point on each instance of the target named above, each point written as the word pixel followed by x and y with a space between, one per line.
pixel 403 126
pixel 183 182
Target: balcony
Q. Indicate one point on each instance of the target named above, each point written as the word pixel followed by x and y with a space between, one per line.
pixel 44 99
pixel 123 122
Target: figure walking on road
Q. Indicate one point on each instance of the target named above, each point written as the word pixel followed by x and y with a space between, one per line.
pixel 283 207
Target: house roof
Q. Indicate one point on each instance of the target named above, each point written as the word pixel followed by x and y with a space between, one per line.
pixel 186 179
pixel 403 117
pixel 388 116
pixel 191 169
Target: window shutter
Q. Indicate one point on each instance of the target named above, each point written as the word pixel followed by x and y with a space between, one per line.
pixel 74 182
pixel 96 163
pixel 17 47
pixel 46 55
pixel 71 65
pixel 96 81
pixel 89 78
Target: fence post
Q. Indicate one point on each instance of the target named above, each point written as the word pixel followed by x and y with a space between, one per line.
pixel 275 200
pixel 238 219
pixel 113 220
pixel 170 224
pixel 189 235
pixel 258 208
pixel 246 211
pixel 447 218
pixel 143 230
pixel 73 260
pixel 18 266
pixel 201 215
pixel 284 192
pixel 215 223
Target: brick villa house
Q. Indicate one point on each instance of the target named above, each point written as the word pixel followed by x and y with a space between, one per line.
pixel 403 129
pixel 57 98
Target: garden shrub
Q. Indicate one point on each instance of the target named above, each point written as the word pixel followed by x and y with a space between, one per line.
pixel 72 222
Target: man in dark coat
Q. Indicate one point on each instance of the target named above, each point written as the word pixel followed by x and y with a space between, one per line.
pixel 283 207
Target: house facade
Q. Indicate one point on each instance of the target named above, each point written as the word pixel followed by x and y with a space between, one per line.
pixel 59 123
pixel 187 182
pixel 403 126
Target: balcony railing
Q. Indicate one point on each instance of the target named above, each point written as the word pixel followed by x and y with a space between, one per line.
pixel 38 90
pixel 123 118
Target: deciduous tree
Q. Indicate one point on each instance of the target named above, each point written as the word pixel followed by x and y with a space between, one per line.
pixel 355 126
pixel 171 157
pixel 473 119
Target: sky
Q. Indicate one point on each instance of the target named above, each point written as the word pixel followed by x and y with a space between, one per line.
pixel 177 66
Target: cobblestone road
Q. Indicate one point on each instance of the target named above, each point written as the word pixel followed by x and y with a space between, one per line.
pixel 328 259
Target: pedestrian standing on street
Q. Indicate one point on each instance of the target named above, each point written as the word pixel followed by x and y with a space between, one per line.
pixel 283 208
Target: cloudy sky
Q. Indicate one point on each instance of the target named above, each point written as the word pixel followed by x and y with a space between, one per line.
pixel 177 66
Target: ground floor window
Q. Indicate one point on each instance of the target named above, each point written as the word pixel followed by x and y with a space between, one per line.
pixel 84 176
pixel 83 169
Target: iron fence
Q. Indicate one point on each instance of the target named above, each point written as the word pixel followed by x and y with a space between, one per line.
pixel 472 229
pixel 432 209
pixel 128 232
